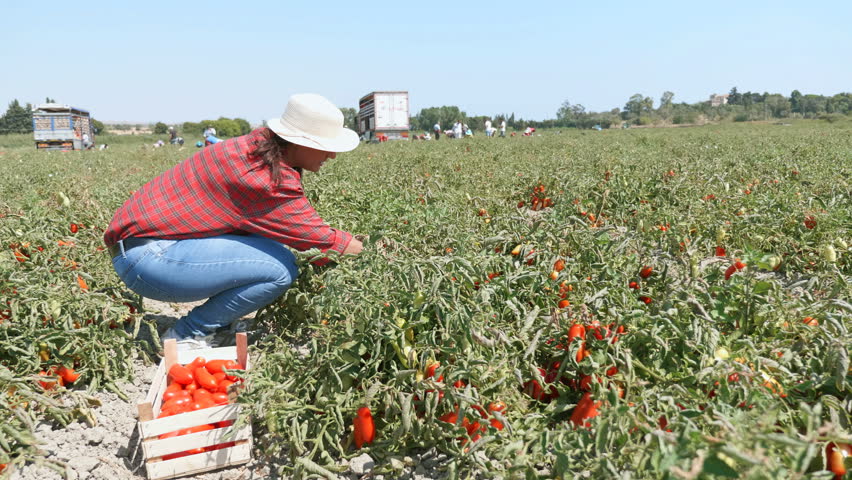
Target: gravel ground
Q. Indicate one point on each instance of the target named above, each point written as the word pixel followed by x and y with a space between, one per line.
pixel 110 449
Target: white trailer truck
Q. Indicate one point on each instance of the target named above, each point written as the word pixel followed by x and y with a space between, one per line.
pixel 383 116
pixel 61 127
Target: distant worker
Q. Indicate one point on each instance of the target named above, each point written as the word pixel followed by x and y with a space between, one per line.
pixel 503 127
pixel 457 130
pixel 173 138
pixel 87 143
pixel 437 130
pixel 488 130
pixel 209 131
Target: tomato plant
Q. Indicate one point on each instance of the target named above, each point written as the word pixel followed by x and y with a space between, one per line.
pixel 627 235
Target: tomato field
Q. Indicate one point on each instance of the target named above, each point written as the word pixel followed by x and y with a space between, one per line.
pixel 649 303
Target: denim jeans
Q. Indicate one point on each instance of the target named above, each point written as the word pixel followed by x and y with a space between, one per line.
pixel 237 273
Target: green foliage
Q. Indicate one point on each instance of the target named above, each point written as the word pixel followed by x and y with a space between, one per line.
pixel 425 281
pixel 637 107
pixel 243 125
pixel 192 128
pixel 99 127
pixel 436 276
pixel 160 128
pixel 683 117
pixel 570 115
pixel 226 127
pixel 350 118
pixel 446 116
pixel 17 119
pixel 576 116
pixel 832 117
pixel 778 106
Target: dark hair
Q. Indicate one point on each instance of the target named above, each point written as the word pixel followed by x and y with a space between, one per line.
pixel 270 151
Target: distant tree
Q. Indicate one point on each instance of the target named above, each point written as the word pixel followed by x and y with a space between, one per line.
pixel 49 100
pixel 160 128
pixel 17 119
pixel 637 106
pixel 666 99
pixel 511 121
pixel 477 123
pixel 813 105
pixel 665 109
pixel 747 101
pixel 796 101
pixel 192 128
pixel 572 115
pixel 99 127
pixel 226 127
pixel 446 116
pixel 840 103
pixel 777 105
pixel 350 118
pixel 734 97
pixel 245 126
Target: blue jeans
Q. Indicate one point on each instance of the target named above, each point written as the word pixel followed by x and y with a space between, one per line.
pixel 237 273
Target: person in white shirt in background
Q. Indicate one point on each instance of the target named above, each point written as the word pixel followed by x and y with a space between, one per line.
pixel 503 128
pixel 457 130
pixel 488 130
pixel 437 130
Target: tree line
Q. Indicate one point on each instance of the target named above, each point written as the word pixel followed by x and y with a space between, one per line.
pixel 638 110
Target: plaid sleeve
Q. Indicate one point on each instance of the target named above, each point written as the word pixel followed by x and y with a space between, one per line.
pixel 285 215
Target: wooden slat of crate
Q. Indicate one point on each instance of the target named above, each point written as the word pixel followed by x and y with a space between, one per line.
pixel 158 448
pixel 198 463
pixel 163 425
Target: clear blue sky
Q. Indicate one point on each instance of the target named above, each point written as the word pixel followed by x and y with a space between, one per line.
pixel 176 61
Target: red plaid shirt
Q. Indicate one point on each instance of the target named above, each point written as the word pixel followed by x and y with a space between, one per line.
pixel 225 189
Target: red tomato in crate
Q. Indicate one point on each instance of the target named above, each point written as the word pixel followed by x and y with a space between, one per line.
pixel 181 374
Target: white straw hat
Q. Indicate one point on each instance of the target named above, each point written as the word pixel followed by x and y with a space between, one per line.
pixel 312 121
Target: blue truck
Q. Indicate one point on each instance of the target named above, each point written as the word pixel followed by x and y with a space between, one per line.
pixel 62 127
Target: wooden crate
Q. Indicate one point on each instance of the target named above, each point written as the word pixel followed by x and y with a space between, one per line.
pixel 150 427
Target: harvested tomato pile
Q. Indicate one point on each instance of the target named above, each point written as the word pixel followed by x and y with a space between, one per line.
pixel 196 386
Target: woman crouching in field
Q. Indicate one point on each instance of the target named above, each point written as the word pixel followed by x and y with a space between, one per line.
pixel 217 225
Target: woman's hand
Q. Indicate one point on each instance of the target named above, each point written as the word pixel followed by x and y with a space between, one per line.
pixel 355 246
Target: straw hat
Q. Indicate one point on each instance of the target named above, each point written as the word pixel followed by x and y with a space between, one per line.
pixel 312 121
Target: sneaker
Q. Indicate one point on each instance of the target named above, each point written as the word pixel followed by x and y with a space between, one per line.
pixel 239 326
pixel 189 343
